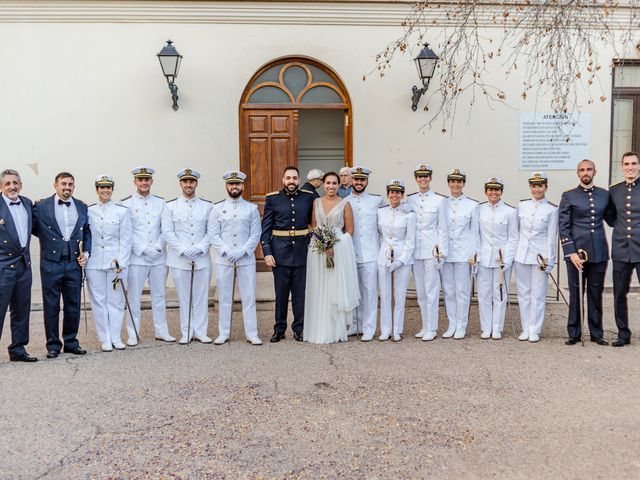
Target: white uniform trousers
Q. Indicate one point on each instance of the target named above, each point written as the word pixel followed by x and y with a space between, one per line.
pixel 532 292
pixel 365 314
pixel 456 282
pixel 107 305
pixel 492 310
pixel 246 281
pixel 157 278
pixel 427 280
pixel 401 283
pixel 200 300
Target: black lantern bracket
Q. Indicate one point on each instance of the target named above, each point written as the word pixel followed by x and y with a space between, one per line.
pixel 170 61
pixel 426 62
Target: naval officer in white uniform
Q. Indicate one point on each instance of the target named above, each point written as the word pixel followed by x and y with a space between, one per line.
pixel 148 257
pixel 397 228
pixel 462 236
pixel 184 229
pixel 431 248
pixel 498 228
pixel 235 229
pixel 536 255
pixel 366 244
pixel 110 251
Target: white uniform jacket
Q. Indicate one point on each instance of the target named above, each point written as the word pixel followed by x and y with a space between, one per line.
pixel 146 219
pixel 184 226
pixel 538 225
pixel 462 228
pixel 365 219
pixel 431 223
pixel 498 231
pixel 110 236
pixel 397 229
pixel 235 224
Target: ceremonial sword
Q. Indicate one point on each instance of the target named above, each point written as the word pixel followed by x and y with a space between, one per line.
pixel 83 274
pixel 393 300
pixel 508 309
pixel 474 265
pixel 116 281
pixel 193 269
pixel 233 293
pixel 543 263
pixel 585 258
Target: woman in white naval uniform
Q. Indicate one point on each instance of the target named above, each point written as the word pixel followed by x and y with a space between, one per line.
pixel 431 248
pixel 498 227
pixel 538 224
pixel 397 229
pixel 235 229
pixel 462 236
pixel 110 243
pixel 184 229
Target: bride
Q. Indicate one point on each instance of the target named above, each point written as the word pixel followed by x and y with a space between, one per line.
pixel 331 293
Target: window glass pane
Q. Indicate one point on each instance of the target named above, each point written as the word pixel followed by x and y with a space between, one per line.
pixel 271 75
pixel 321 76
pixel 295 78
pixel 321 95
pixel 269 94
pixel 622 135
pixel 627 76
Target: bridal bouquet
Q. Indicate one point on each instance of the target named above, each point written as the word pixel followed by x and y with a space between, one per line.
pixel 323 238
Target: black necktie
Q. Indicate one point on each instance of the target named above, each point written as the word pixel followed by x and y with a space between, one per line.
pixel 62 202
pixel 11 204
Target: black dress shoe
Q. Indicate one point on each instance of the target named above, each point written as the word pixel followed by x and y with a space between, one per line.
pixel 75 351
pixel 572 341
pixel 620 343
pixel 600 341
pixel 53 354
pixel 277 337
pixel 298 336
pixel 25 357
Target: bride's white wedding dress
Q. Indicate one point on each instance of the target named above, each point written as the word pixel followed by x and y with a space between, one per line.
pixel 331 294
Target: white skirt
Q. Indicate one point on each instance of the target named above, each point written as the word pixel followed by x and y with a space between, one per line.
pixel 331 294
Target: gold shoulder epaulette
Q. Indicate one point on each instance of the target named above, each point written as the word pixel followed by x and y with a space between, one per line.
pixel 272 193
pixel 306 191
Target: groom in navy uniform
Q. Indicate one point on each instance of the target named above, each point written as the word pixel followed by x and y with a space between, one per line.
pixel 285 230
pixel 15 263
pixel 61 223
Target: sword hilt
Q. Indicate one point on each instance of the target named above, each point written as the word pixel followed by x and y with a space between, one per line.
pixel 543 263
pixel 583 255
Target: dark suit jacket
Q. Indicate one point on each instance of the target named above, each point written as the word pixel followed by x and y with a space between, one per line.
pixel 46 228
pixel 10 249
pixel 624 217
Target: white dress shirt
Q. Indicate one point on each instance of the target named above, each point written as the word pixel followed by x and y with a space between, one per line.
pixel 146 221
pixel 365 219
pixel 20 218
pixel 397 228
pixel 235 224
pixel 538 224
pixel 110 235
pixel 66 216
pixel 462 228
pixel 498 232
pixel 431 223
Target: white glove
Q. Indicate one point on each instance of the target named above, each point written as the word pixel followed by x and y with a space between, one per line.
pixel 152 253
pixel 192 253
pixel 235 255
pixel 394 265
pixel 549 269
pixel 438 264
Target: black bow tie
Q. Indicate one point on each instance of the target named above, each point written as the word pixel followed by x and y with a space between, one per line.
pixel 11 204
pixel 62 202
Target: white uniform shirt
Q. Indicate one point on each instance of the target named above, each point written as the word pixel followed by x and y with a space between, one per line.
pixel 397 229
pixel 184 226
pixel 235 224
pixel 462 228
pixel 20 218
pixel 498 231
pixel 110 235
pixel 365 221
pixel 146 219
pixel 431 223
pixel 538 224
pixel 66 216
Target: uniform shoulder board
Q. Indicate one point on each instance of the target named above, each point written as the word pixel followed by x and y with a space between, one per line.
pixel 205 200
pixel 480 203
pixel 158 196
pixel 616 184
pixel 121 206
pixel 272 193
pixel 412 194
pixel 475 200
pixel 525 200
pixel 93 204
pixel 509 205
pixel 306 191
pixel 375 194
pixel 440 194
pixel 551 203
pixel 383 206
pixel 125 198
pixel 218 202
pixel 172 200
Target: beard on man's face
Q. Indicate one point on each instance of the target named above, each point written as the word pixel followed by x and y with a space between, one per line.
pixel 235 192
pixel 359 187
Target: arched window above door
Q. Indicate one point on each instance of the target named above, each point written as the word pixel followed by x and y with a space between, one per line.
pixel 297 83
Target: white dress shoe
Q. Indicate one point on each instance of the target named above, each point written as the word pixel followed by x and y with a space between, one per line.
pixel 132 342
pixel 460 334
pixel 166 338
pixel 183 340
pixel 533 338
pixel 119 345
pixel 496 335
pixel 421 333
pixel 485 335
pixel 384 338
pixel 203 339
pixel 429 335
pixel 254 341
pixel 449 333
pixel 524 336
pixel 221 340
pixel 397 338
pixel 367 337
pixel 106 347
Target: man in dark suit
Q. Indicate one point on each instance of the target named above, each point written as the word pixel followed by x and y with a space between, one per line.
pixel 314 180
pixel 285 236
pixel 580 221
pixel 61 223
pixel 15 263
pixel 624 208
